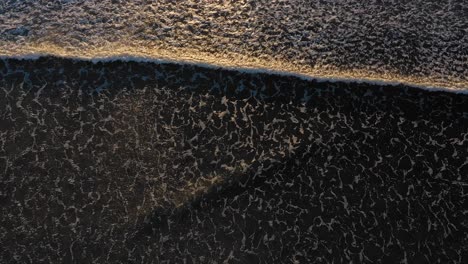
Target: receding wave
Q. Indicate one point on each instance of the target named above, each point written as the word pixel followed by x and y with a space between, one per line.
pixel 380 41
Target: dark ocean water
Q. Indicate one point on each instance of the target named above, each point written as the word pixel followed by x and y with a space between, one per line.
pixel 127 162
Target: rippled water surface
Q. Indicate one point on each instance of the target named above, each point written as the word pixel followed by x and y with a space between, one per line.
pixel 233 131
pixel 162 163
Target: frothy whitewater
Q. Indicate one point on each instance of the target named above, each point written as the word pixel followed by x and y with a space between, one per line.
pixel 419 43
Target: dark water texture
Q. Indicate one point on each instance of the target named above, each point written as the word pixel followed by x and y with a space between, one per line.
pixel 114 162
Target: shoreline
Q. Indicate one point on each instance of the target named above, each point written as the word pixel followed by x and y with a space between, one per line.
pixel 241 69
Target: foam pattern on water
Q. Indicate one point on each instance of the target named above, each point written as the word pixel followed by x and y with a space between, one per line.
pixel 148 163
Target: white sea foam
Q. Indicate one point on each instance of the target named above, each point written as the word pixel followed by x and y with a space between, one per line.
pixel 422 41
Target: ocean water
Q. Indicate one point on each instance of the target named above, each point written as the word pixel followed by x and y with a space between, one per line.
pixel 166 163
pixel 422 43
pixel 233 131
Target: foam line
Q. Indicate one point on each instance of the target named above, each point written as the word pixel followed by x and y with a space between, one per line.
pixel 248 70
